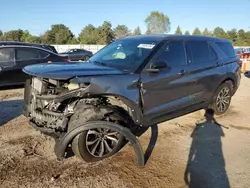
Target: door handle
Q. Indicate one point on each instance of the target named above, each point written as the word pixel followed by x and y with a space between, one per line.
pixel 182 72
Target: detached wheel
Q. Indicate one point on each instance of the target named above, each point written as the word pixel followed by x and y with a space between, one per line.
pixel 222 99
pixel 95 144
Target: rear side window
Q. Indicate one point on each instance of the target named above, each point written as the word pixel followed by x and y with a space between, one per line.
pixel 7 57
pixel 173 54
pixel 43 54
pixel 227 48
pixel 26 54
pixel 200 52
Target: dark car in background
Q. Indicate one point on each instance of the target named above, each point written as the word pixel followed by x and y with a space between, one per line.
pixel 13 58
pixel 78 54
pixel 45 46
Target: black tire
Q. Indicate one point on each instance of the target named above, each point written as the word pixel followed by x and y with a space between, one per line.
pixel 86 113
pixel 222 99
pixel 86 58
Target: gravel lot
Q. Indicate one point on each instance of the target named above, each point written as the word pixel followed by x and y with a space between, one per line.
pixel 188 153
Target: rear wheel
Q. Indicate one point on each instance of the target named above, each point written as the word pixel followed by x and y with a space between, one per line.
pixel 222 99
pixel 95 144
pixel 86 58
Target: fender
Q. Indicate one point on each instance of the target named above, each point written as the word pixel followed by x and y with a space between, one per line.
pixel 127 90
pixel 63 142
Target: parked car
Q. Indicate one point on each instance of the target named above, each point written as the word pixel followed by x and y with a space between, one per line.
pixel 78 54
pixel 45 46
pixel 242 52
pixel 13 58
pixel 245 53
pixel 133 82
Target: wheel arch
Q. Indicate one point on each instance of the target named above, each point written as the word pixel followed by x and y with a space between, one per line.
pixel 134 108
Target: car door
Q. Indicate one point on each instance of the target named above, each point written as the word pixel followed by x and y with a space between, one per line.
pixel 170 89
pixel 73 55
pixel 25 56
pixel 7 62
pixel 203 64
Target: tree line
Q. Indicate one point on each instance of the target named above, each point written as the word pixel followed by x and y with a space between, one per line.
pixel 156 22
pixel 238 37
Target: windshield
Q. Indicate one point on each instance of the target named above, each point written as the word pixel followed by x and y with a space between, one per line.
pixel 126 54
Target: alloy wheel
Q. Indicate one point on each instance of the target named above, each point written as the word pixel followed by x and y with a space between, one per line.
pixel 101 142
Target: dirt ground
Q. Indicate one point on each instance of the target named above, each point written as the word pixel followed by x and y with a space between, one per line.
pixel 187 153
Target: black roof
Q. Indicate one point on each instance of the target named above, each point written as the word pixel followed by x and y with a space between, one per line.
pixel 20 43
pixel 160 37
pixel 26 46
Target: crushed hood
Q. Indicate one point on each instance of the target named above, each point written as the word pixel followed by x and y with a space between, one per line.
pixel 64 71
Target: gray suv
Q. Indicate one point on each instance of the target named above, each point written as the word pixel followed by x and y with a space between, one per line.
pixel 134 82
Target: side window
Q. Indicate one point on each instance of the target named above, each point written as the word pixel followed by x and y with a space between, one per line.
pixel 200 52
pixel 173 53
pixel 7 57
pixel 213 55
pixel 227 48
pixel 26 54
pixel 43 54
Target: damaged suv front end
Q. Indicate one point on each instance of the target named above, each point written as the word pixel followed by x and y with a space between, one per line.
pixel 50 100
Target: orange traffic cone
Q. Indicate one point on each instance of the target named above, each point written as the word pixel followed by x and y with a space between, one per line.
pixel 244 66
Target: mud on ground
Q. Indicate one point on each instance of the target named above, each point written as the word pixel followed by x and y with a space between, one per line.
pixel 188 153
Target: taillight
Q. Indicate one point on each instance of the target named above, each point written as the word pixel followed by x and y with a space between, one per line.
pixel 66 60
pixel 239 63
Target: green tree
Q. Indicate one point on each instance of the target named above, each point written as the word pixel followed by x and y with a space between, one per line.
pixel 247 34
pixel 58 34
pixel 241 34
pixel 178 31
pixel 25 36
pixel 187 33
pixel 220 33
pixel 74 41
pixel 105 33
pixel 137 31
pixel 13 35
pixel 1 33
pixel 206 32
pixel 33 39
pixel 88 35
pixel 157 22
pixel 148 32
pixel 196 31
pixel 242 39
pixel 232 35
pixel 121 31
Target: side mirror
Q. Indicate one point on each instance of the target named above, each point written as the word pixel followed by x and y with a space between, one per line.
pixel 157 66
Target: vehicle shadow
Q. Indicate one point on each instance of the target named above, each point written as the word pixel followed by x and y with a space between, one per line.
pixel 10 110
pixel 11 87
pixel 206 164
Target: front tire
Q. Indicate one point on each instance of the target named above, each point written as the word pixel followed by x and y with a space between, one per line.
pixel 95 144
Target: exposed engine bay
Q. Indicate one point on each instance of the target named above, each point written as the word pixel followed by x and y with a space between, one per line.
pixel 50 103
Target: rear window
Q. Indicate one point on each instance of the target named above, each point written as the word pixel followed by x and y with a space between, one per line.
pixel 200 52
pixel 26 54
pixel 7 56
pixel 227 48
